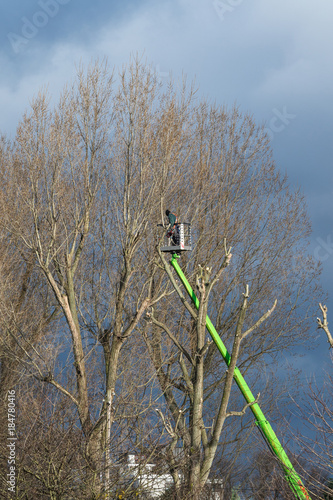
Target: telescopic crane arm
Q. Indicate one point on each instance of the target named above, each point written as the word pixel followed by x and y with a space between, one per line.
pixel 274 444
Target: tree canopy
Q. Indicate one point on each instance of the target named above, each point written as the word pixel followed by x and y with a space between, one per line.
pixel 90 319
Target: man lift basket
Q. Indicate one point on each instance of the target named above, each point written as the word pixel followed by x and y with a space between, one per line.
pixel 178 240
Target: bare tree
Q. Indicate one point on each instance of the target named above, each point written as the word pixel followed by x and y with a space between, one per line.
pixel 199 446
pixel 231 190
pixel 314 436
pixel 85 184
pixel 82 181
pixel 309 431
pixel 267 482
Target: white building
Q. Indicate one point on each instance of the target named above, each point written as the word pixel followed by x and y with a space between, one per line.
pixel 141 477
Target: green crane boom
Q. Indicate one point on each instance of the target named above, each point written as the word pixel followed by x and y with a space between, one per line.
pixel 292 477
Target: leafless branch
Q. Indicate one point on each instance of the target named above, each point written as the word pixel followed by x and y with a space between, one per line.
pixel 324 324
pixel 242 412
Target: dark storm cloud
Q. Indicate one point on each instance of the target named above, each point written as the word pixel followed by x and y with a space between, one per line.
pixel 272 58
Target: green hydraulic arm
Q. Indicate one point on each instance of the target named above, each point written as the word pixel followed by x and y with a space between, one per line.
pixel 292 477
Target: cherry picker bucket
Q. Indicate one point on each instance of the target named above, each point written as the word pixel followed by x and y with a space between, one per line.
pixel 179 239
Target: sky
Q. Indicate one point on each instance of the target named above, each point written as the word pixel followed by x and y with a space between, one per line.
pixel 272 58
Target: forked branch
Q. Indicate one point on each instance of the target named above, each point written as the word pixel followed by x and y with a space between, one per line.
pixel 324 324
pixel 242 412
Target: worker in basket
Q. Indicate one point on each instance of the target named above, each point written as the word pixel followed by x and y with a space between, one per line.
pixel 173 229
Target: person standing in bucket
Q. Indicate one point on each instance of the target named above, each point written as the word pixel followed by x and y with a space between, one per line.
pixel 173 227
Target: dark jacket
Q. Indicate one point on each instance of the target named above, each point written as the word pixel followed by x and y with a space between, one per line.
pixel 172 219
